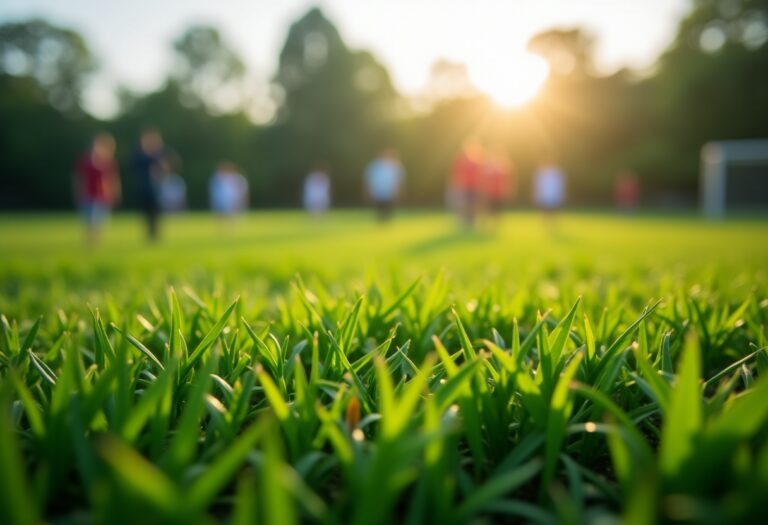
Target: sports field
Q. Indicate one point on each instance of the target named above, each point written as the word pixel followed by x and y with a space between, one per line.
pixel 281 368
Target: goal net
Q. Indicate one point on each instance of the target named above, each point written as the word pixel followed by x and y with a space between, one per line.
pixel 734 176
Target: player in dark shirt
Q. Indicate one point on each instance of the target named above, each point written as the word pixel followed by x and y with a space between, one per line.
pixel 151 163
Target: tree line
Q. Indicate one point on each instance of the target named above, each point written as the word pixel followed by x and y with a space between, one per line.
pixel 337 105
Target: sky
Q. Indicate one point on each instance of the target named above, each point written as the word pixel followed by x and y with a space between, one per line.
pixel 132 39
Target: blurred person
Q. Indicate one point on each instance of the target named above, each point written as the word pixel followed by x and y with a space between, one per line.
pixel 467 182
pixel 383 178
pixel 549 188
pixel 626 191
pixel 498 183
pixel 228 190
pixel 173 193
pixel 152 162
pixel 97 184
pixel 317 190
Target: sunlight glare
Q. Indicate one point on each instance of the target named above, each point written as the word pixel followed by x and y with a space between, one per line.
pixel 513 80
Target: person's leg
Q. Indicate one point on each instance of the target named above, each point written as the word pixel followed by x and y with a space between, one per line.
pixel 387 210
pixel 492 210
pixel 88 216
pixel 381 212
pixel 550 219
pixel 154 218
pixel 150 218
pixel 472 205
pixel 497 207
pixel 462 205
pixel 96 215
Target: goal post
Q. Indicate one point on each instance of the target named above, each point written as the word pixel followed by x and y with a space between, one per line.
pixel 734 175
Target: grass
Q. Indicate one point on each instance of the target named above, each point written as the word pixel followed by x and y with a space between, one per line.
pixel 282 370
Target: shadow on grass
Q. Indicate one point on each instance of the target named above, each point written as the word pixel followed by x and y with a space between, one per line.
pixel 452 240
pixel 241 237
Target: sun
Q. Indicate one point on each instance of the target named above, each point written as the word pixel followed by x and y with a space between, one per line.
pixel 512 80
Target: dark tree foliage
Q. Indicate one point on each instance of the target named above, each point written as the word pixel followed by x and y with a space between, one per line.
pixel 38 147
pixel 43 69
pixel 711 84
pixel 207 69
pixel 57 58
pixel 337 108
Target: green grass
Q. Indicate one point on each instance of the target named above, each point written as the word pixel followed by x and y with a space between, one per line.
pixel 280 370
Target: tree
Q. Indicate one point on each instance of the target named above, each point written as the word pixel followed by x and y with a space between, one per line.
pixel 43 70
pixel 336 105
pixel 449 80
pixel 584 119
pixel 568 51
pixel 56 58
pixel 711 85
pixel 208 71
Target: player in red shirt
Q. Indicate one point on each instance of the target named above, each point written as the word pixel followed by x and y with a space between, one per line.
pixel 498 184
pixel 97 184
pixel 468 180
pixel 626 191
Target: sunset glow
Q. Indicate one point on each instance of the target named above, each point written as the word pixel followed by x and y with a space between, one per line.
pixel 512 81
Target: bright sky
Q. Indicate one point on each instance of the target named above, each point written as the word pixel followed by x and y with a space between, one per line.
pixel 132 38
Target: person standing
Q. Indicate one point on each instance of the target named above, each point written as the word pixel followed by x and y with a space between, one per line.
pixel 97 184
pixel 549 189
pixel 173 193
pixel 498 184
pixel 228 190
pixel 626 191
pixel 317 191
pixel 383 178
pixel 467 183
pixel 152 162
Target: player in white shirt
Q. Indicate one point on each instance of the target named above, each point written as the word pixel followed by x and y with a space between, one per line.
pixel 383 177
pixel 317 192
pixel 549 186
pixel 549 190
pixel 228 190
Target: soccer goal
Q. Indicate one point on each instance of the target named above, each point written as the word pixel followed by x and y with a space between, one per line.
pixel 734 176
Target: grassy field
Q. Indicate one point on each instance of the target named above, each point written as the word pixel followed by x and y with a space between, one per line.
pixel 281 369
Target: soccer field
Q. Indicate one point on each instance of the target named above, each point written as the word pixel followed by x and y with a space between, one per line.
pixel 269 248
pixel 282 368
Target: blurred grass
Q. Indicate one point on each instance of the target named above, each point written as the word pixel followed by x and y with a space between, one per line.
pixel 276 245
pixel 339 371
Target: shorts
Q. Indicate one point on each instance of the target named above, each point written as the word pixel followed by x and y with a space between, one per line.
pixel 384 206
pixel 471 199
pixel 496 205
pixel 95 213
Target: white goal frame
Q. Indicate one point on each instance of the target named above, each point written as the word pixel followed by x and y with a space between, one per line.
pixel 715 159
